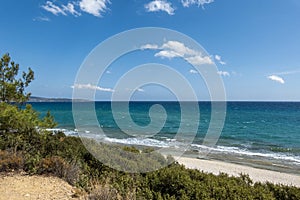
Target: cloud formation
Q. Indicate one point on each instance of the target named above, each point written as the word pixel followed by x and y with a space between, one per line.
pixel 94 7
pixel 135 90
pixel 41 19
pixel 98 7
pixel 276 78
pixel 91 87
pixel 192 71
pixel 71 9
pixel 54 9
pixel 223 73
pixel 219 59
pixel 149 46
pixel 188 3
pixel 173 49
pixel 160 5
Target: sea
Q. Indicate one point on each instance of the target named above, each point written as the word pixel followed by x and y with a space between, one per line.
pixel 258 134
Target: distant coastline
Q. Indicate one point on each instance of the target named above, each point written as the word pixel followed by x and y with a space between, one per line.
pixel 34 99
pixel 53 100
pixel 43 99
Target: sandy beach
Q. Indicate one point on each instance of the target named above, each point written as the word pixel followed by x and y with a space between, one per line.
pixel 257 175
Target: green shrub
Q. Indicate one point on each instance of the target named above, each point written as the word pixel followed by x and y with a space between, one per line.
pixel 18 127
pixel 57 166
pixel 284 192
pixel 106 192
pixel 177 182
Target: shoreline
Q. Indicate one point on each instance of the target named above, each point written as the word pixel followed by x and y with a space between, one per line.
pixel 256 174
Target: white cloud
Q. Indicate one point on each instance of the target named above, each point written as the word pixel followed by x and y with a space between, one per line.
pixel 149 46
pixel 160 5
pixel 94 7
pixel 167 54
pixel 276 78
pixel 54 9
pixel 188 3
pixel 222 63
pixel 219 59
pixel 192 71
pixel 63 9
pixel 223 73
pixel 179 48
pixel 71 9
pixel 173 49
pixel 199 60
pixel 138 90
pixel 108 72
pixel 41 19
pixel 91 87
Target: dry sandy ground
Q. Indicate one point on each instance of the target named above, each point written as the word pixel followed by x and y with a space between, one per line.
pixel 17 186
pixel 257 175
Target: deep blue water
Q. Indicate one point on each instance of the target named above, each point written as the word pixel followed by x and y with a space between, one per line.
pixel 257 133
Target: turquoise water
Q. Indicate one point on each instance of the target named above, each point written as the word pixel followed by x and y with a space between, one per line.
pixel 261 134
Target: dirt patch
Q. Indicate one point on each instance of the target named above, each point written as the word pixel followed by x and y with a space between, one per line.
pixel 22 186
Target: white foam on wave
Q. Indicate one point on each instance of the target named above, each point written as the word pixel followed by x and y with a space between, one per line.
pixel 130 141
pixel 236 150
pixel 138 141
pixel 167 142
pixel 67 132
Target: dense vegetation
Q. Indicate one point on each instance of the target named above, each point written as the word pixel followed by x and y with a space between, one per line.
pixel 67 158
pixel 25 145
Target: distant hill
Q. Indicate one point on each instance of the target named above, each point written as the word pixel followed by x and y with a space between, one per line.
pixel 42 99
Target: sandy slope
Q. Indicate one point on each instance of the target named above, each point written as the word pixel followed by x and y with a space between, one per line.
pixel 257 175
pixel 19 186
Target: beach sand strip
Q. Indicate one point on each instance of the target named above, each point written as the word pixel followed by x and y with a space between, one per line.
pixel 257 175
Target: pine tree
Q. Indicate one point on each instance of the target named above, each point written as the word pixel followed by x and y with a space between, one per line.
pixel 12 86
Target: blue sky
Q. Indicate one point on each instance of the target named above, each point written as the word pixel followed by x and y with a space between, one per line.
pixel 254 43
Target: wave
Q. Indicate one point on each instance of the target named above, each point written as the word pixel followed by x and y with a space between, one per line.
pixel 239 151
pixel 165 142
pixel 138 141
pixel 67 132
pixel 129 141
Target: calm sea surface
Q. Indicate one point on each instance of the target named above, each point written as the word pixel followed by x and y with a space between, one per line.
pixel 260 134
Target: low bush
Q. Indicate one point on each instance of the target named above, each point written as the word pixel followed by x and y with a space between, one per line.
pixel 10 161
pixel 103 192
pixel 59 167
